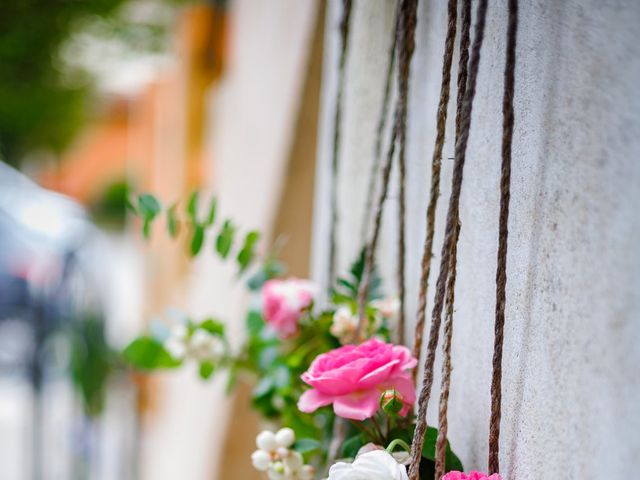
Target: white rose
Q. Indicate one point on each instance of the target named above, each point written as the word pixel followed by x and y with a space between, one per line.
pixel 373 465
pixel 205 346
pixel 344 324
pixel 388 307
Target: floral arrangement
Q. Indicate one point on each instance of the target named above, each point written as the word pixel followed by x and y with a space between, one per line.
pixel 311 368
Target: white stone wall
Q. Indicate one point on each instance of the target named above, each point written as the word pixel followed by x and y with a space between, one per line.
pixel 572 360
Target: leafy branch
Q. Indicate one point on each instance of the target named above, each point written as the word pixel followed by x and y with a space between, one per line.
pixel 149 208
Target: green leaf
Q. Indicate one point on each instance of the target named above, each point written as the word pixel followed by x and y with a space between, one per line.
pixel 214 327
pixel 146 228
pixel 206 370
pixel 452 462
pixel 247 253
pixel 192 206
pixel 307 445
pixel 148 206
pixel 148 354
pixel 351 446
pixel 224 240
pixel 172 224
pixel 212 212
pixel 427 465
pixel 130 206
pixel 197 240
pixel 255 323
pixel 264 387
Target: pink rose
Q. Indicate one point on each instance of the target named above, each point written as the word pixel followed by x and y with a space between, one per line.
pixel 454 475
pixel 283 302
pixel 352 378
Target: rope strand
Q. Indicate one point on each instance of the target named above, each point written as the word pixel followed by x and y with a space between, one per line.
pixel 436 162
pixel 406 47
pixel 450 229
pixel 337 123
pixel 443 423
pixel 501 270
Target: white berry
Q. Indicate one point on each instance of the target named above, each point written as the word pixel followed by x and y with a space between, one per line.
pixel 260 460
pixel 266 440
pixel 285 437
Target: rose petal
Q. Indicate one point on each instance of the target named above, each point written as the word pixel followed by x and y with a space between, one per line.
pixel 311 400
pixel 357 406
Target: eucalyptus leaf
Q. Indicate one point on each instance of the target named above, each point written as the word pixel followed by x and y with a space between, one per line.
pixel 197 240
pixel 148 354
pixel 211 217
pixel 213 326
pixel 146 228
pixel 192 206
pixel 224 240
pixel 247 252
pixel 148 206
pixel 206 370
pixel 172 223
pixel 307 445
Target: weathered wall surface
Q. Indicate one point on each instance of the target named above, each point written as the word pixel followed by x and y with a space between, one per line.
pixel 571 386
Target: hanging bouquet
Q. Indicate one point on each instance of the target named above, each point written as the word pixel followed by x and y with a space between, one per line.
pixel 342 391
pixel 311 368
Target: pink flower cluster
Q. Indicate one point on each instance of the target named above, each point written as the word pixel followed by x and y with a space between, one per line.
pixel 352 378
pixel 283 302
pixel 471 476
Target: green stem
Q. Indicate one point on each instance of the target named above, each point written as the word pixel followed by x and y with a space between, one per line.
pixel 395 443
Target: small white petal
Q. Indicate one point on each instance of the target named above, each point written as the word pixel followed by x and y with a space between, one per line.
pixel 294 461
pixel 307 472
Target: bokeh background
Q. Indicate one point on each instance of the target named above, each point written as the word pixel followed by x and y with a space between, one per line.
pixel 99 100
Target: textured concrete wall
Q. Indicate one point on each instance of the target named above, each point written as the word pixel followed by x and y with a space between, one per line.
pixel 571 362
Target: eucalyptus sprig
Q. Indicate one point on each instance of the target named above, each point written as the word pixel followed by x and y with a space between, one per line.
pixel 149 208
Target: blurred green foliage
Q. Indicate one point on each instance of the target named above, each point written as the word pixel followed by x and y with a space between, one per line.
pixel 44 101
pixel 41 105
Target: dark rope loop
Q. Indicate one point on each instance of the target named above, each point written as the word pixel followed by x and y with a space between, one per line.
pixel 449 238
pixel 337 124
pixel 406 47
pixel 501 270
pixel 436 161
pixel 382 123
pixel 443 423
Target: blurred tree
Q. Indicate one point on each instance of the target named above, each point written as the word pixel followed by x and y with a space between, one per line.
pixel 43 100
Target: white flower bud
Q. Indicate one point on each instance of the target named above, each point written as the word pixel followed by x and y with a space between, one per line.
pixel 179 331
pixel 307 472
pixel 285 437
pixel 294 461
pixel 260 460
pixel 282 452
pixel 266 440
pixel 176 348
pixel 277 467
